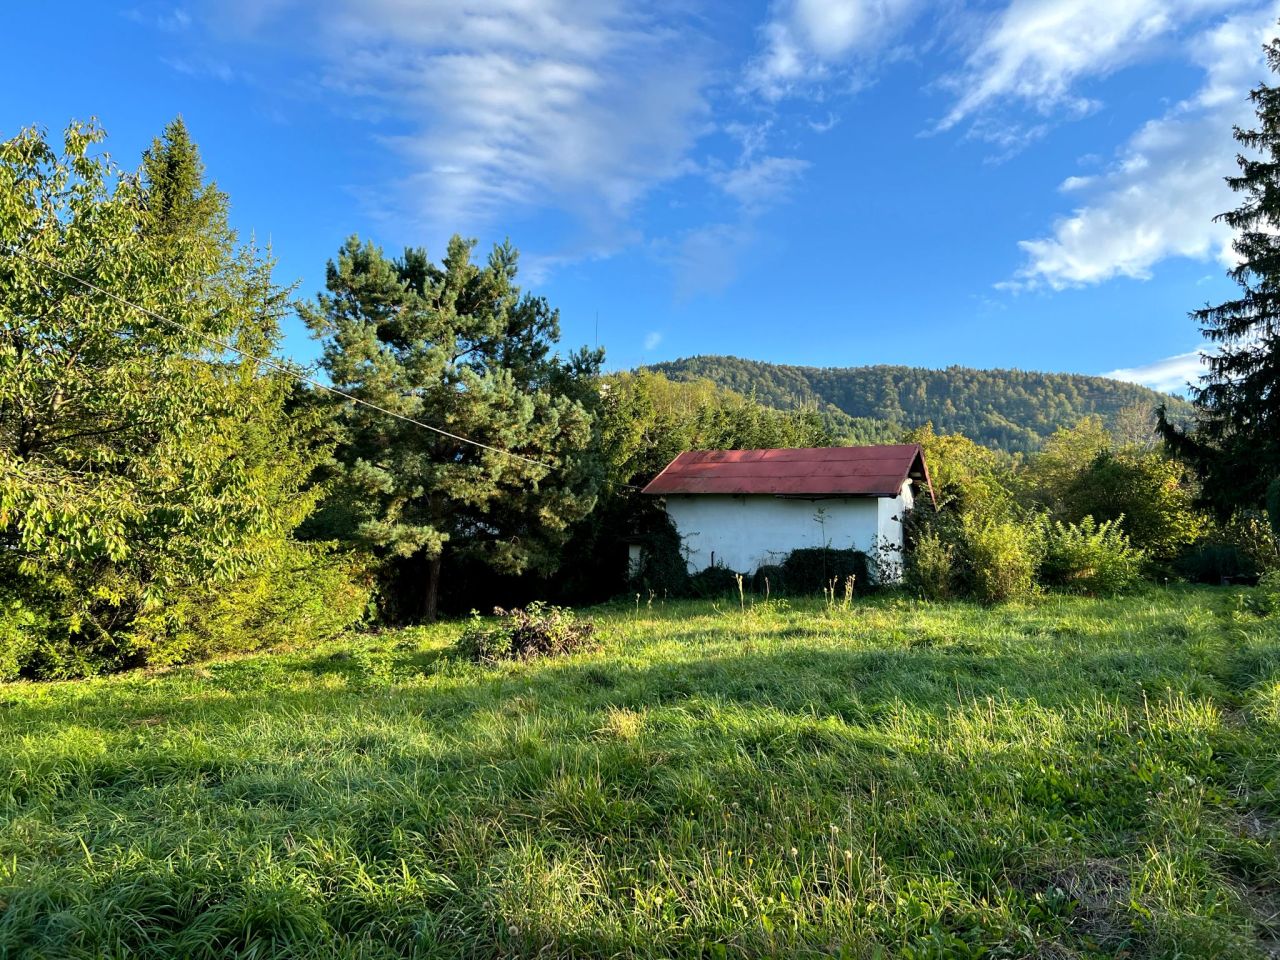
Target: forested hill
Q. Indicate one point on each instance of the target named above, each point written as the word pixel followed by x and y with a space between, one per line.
pixel 1011 410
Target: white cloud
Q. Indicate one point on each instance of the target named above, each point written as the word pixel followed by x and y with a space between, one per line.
pixel 1159 198
pixel 756 183
pixel 1170 375
pixel 516 105
pixel 705 260
pixel 1036 51
pixel 652 339
pixel 804 39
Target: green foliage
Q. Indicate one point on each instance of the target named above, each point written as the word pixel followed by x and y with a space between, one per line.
pixel 1273 506
pixel 643 420
pixel 1235 443
pixel 1266 598
pixel 931 566
pixel 307 593
pixel 662 571
pixel 136 461
pixel 1144 492
pixel 539 630
pixel 23 626
pixel 968 479
pixel 646 420
pixel 809 571
pixel 713 583
pixel 770 579
pixel 1008 410
pixel 304 594
pixel 1078 778
pixel 1004 555
pixel 1240 550
pixel 455 345
pixel 1090 557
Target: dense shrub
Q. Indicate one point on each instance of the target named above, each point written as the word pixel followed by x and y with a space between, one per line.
pixel 1238 551
pixel 1216 563
pixel 811 570
pixel 931 566
pixel 663 569
pixel 1266 599
pixel 769 578
pixel 22 628
pixel 311 592
pixel 1090 557
pixel 714 582
pixel 1004 555
pixel 307 593
pixel 539 630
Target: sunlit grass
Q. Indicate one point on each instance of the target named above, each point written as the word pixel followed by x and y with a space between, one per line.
pixel 1071 778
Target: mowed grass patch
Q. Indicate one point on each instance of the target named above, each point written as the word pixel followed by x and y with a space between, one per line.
pixel 1070 778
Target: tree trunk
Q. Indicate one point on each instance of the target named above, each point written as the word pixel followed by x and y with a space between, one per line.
pixel 431 596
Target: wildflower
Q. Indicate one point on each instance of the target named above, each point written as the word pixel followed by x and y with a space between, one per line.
pixel 794 852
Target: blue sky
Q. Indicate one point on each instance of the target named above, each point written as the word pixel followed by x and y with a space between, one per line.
pixel 1023 183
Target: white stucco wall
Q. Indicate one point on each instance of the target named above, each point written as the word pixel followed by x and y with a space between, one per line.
pixel 746 532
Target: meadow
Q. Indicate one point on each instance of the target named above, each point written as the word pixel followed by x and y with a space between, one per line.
pixel 1065 778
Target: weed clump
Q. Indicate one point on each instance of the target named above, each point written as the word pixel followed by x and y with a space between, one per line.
pixel 539 630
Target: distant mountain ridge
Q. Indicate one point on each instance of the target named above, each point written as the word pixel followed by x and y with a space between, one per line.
pixel 1011 410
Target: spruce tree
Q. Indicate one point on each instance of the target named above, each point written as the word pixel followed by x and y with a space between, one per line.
pixel 1235 443
pixel 459 347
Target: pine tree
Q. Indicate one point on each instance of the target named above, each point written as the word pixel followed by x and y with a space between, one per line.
pixel 1235 444
pixel 456 346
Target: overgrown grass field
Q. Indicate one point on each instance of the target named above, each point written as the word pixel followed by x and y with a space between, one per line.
pixel 1070 778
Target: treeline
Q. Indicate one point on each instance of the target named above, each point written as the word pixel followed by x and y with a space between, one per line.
pixel 166 495
pixel 169 490
pixel 1009 410
pixel 1089 513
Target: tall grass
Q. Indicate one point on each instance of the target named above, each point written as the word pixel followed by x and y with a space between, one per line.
pixel 1069 778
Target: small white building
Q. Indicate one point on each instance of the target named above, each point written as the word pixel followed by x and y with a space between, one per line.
pixel 742 509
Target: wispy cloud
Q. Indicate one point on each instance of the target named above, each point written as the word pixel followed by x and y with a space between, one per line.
pixel 1159 198
pixel 1035 52
pixel 757 183
pixel 652 339
pixel 1170 375
pixel 516 106
pixel 807 42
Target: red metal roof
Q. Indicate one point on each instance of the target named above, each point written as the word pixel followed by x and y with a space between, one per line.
pixel 814 471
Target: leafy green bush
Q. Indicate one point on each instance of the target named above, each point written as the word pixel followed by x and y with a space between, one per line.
pixel 307 593
pixel 931 566
pixel 714 582
pixel 811 570
pixel 1239 551
pixel 539 630
pixel 1003 555
pixel 1267 596
pixel 22 627
pixel 1090 557
pixel 662 568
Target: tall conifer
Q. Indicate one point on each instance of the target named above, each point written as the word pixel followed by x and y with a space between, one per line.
pixel 1235 444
